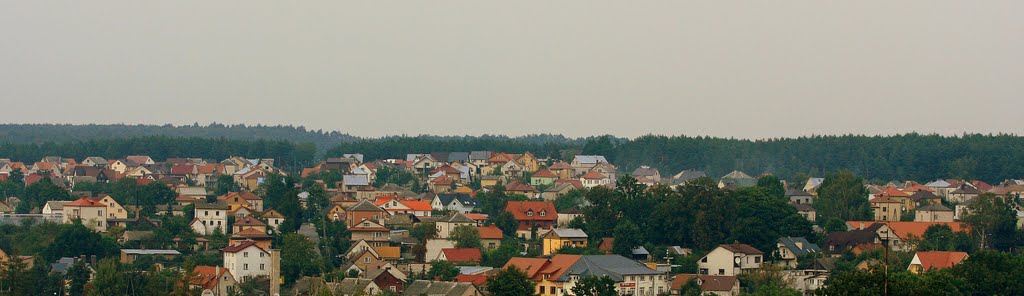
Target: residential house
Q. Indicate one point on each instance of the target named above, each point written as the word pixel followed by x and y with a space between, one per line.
pixel 737 179
pixel 395 206
pixel 685 176
pixel 647 175
pixel 562 170
pixel 539 215
pixel 92 213
pixel 797 196
pixel 558 275
pixel 581 164
pixel 518 187
pixel 731 259
pixel 886 209
pixel 370 231
pixel 906 203
pixel 247 223
pixel 934 260
pixel 243 199
pixel 490 236
pixel 460 256
pixel 558 189
pixel 528 162
pixel 215 279
pixel 447 224
pixel 902 235
pixel 247 260
pixel 54 207
pixel 543 178
pixel 365 210
pixel 933 213
pixel 717 285
pixel 274 218
pixel 128 256
pixel 807 211
pixel 563 237
pixel 923 197
pixel 210 217
pixel 963 194
pixel 462 203
pixel 114 209
pixel 422 287
pixel 594 178
pixel 790 249
pixel 812 184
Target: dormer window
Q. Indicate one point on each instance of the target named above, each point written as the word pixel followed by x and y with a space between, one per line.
pixel 543 213
pixel 529 213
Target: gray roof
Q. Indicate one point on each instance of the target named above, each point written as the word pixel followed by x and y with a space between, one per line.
pixel 614 266
pixel 569 233
pixel 456 218
pixel 458 157
pixel 966 190
pixel 796 192
pixel 938 184
pixel 934 208
pixel 479 155
pixel 803 207
pixel 356 180
pixel 422 287
pixel 150 252
pixel 590 159
pixel 219 205
pixel 356 156
pixel 364 205
pixel 794 243
pixel 687 175
pixel 63 264
pixel 57 205
pixel 464 199
pixel 645 171
pixel 739 179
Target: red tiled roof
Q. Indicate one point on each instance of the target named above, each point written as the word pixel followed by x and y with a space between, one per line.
pixel 85 202
pixel 892 192
pixel 182 169
pixel 939 259
pixel 271 213
pixel 519 186
pixel 442 180
pixel 462 254
pixel 520 208
pixel 490 232
pixel 416 205
pixel 575 182
pixel 545 173
pixel 883 199
pixel 447 169
pixel 475 279
pixel 594 175
pixel 561 165
pixel 206 276
pixel 249 221
pixel 906 229
pixel 476 216
pixel 530 266
pixel 242 246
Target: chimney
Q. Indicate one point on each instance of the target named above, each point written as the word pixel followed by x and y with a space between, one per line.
pixel 92 260
pixel 275 272
pixel 861 225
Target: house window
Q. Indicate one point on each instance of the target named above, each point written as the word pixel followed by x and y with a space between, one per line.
pixel 262 266
pixel 245 254
pixel 529 213
pixel 366 260
pixel 206 213
pixel 543 213
pixel 245 266
pixel 261 254
pixel 99 213
pixel 757 259
pixel 721 271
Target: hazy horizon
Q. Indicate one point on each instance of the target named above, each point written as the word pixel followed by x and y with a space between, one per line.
pixel 576 68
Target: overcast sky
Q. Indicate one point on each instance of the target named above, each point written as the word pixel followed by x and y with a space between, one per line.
pixel 750 69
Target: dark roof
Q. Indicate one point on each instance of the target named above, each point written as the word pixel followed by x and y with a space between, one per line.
pixel 219 205
pixel 794 245
pixel 803 207
pixel 922 194
pixel 796 192
pixel 965 189
pixel 934 208
pixel 851 238
pixel 614 266
pixel 458 157
pixel 742 248
pixel 364 205
pixel 464 199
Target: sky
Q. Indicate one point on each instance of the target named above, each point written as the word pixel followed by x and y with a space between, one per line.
pixel 745 69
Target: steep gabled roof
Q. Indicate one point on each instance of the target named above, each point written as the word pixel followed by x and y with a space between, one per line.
pixel 85 202
pixel 242 246
pixel 365 205
pixel 545 173
pixel 462 254
pixel 490 232
pixel 742 248
pixel 519 210
pixel 939 260
pixel 594 175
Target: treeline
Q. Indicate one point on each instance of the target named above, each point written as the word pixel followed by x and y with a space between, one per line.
pixel 286 153
pixel 41 133
pixel 991 158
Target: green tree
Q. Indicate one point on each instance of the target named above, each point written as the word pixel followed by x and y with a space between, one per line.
pixel 78 276
pixel 627 237
pixel 772 185
pixel 595 286
pixel 108 279
pixel 442 270
pixel 506 222
pixel 465 236
pixel 842 196
pixel 511 282
pixel 75 239
pixel 298 257
pixel 993 220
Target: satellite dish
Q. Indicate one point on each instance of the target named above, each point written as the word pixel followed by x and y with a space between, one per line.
pixel 737 259
pixel 270 231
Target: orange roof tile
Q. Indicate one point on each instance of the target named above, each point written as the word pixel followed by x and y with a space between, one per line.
pixel 490 232
pixel 939 259
pixel 594 175
pixel 462 254
pixel 545 173
pixel 85 202
pixel 530 266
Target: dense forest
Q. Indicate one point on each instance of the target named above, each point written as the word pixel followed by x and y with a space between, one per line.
pixel 287 154
pixel 991 158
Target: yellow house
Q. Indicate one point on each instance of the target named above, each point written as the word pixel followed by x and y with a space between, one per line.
pixel 529 162
pixel 563 237
pixel 886 209
pixel 114 209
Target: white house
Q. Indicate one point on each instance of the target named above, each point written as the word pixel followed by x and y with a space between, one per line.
pixel 731 259
pixel 247 260
pixel 209 217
